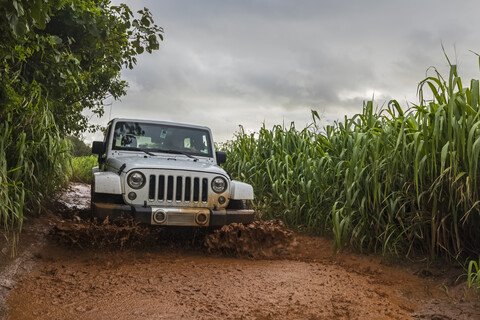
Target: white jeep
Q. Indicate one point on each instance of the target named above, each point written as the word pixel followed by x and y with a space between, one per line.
pixel 164 173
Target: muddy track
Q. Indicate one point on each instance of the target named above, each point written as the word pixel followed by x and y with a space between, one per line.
pixel 77 268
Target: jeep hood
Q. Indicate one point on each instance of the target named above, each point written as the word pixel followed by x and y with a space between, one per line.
pixel 162 163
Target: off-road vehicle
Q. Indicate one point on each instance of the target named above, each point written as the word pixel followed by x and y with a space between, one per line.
pixel 165 173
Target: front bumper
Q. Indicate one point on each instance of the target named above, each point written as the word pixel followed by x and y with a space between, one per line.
pixel 198 217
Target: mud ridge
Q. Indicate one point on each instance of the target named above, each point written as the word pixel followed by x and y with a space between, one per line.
pixel 259 239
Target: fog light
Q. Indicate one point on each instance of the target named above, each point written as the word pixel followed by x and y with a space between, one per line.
pixel 132 195
pixel 221 199
pixel 201 218
pixel 159 216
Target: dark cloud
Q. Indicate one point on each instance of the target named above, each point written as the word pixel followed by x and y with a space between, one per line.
pixel 225 63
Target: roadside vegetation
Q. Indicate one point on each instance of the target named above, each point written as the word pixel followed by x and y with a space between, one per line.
pixel 82 161
pixel 81 169
pixel 52 68
pixel 78 147
pixel 399 181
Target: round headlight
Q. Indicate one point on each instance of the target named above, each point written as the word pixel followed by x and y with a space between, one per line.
pixel 136 180
pixel 219 184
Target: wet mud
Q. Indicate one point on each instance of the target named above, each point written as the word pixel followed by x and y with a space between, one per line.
pixel 93 234
pixel 259 239
pixel 88 269
pixel 76 196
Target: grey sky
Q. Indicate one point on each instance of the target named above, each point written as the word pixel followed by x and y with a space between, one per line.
pixel 225 63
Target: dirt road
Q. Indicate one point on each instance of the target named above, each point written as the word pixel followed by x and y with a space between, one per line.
pixel 182 280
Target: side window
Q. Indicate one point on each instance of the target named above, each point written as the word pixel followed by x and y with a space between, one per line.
pixel 102 157
pixel 107 134
pixel 205 144
pixel 186 143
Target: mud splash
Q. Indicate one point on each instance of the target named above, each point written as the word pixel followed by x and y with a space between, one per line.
pixel 259 239
pixel 105 234
pixel 76 228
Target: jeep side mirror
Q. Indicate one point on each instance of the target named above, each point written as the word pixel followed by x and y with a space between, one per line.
pixel 221 157
pixel 98 147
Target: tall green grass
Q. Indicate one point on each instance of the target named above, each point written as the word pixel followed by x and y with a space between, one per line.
pixel 396 181
pixel 473 274
pixel 33 160
pixel 81 169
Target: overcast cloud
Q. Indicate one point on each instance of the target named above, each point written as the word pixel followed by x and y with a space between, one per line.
pixel 229 63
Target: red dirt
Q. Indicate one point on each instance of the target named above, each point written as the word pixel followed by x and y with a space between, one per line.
pixel 180 279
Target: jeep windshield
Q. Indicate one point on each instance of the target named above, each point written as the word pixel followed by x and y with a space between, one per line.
pixel 151 137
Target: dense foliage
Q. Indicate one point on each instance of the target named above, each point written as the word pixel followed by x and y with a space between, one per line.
pixel 81 169
pixel 57 58
pixel 395 181
pixel 78 147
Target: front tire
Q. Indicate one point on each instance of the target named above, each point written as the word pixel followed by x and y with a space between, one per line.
pixel 237 204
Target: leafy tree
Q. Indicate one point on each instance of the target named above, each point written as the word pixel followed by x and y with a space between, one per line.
pixel 78 147
pixel 74 51
pixel 57 58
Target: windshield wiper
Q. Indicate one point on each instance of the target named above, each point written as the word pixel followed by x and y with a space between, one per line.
pixel 178 152
pixel 140 149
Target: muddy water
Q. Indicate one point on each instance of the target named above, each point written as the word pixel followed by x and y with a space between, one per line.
pixel 174 283
pixel 77 196
pixel 220 275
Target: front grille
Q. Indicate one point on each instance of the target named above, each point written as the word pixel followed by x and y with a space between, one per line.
pixel 170 188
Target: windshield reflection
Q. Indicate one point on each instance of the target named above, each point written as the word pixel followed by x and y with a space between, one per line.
pixel 161 138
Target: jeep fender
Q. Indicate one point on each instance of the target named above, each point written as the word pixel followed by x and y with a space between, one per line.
pixel 107 182
pixel 240 191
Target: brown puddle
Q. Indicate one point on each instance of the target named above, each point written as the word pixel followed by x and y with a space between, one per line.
pixel 76 196
pixel 177 283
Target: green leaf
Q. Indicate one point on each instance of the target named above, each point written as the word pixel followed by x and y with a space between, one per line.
pixel 94 31
pixel 56 40
pixel 444 156
pixel 145 21
pixel 18 7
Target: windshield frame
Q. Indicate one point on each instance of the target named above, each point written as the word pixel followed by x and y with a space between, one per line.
pixel 169 151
